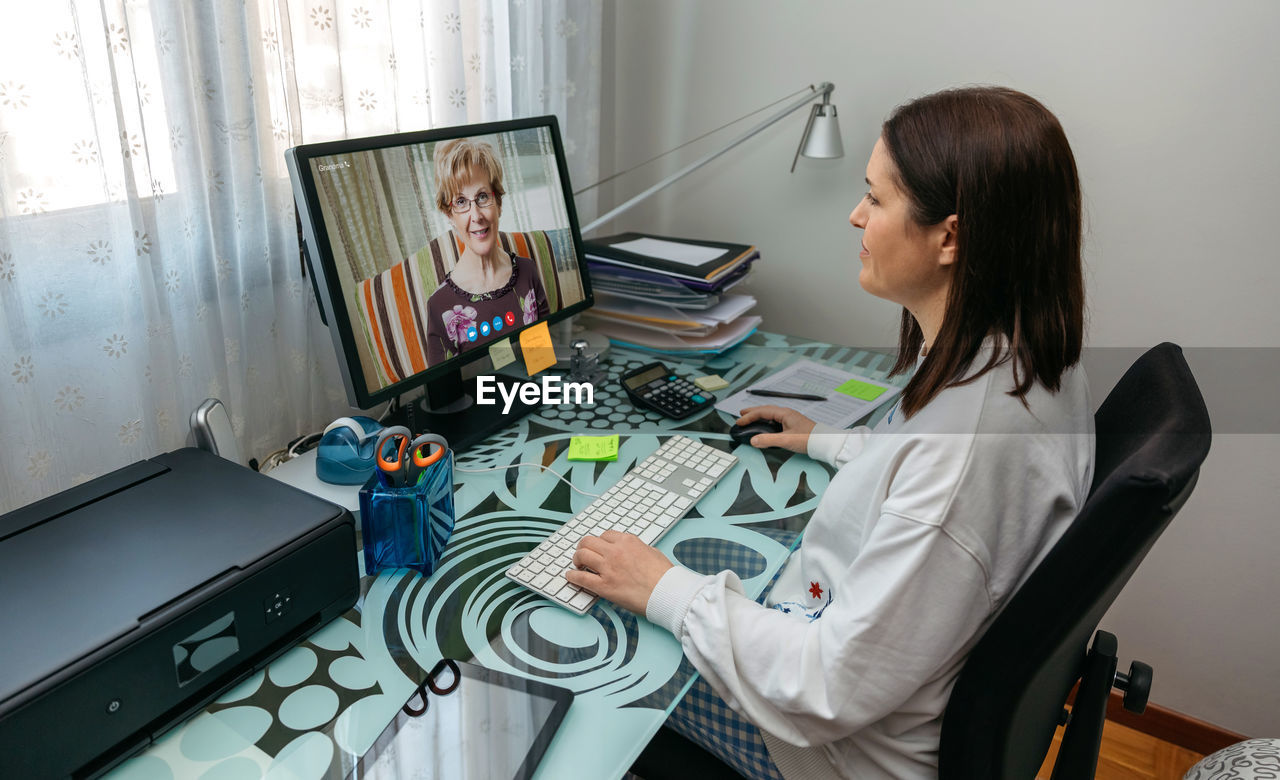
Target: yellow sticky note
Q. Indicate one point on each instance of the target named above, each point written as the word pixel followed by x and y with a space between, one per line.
pixel 863 391
pixel 535 343
pixel 593 448
pixel 501 353
pixel 711 382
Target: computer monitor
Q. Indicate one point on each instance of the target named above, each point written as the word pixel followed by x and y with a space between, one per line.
pixel 427 247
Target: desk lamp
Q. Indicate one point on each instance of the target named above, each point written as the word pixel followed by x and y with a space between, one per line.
pixel 821 140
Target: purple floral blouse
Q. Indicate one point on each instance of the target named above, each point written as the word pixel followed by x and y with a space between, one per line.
pixel 453 313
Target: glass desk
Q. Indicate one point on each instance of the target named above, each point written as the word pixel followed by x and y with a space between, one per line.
pixel 340 687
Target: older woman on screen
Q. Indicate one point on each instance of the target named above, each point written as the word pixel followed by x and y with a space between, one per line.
pixel 490 289
pixel 971 222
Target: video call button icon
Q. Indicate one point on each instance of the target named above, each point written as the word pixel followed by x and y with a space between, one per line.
pixel 472 335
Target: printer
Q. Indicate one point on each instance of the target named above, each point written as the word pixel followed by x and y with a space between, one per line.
pixel 130 602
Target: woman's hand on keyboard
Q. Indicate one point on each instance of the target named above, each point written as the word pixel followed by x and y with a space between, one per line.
pixel 795 431
pixel 618 567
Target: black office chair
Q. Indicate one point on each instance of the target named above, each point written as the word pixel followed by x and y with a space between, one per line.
pixel 1153 434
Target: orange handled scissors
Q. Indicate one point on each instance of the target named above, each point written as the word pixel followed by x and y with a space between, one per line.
pixel 402 459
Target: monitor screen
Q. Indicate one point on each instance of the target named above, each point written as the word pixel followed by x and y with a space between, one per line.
pixel 428 247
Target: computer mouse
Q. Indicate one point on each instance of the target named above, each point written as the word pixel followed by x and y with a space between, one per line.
pixel 741 434
pixel 345 455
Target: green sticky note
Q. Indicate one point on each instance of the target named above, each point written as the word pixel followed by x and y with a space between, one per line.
pixel 500 353
pixel 863 391
pixel 593 448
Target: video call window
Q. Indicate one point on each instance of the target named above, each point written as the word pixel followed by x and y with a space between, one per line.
pixel 411 275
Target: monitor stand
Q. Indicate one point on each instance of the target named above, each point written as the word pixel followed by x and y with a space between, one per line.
pixel 449 409
pixel 566 332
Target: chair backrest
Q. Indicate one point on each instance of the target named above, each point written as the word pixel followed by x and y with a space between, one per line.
pixel 1152 435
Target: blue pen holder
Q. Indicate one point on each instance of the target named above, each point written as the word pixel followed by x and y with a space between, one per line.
pixel 407 526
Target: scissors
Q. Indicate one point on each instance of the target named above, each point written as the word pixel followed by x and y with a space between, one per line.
pixel 403 460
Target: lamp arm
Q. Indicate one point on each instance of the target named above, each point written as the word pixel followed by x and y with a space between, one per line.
pixel 823 90
pixel 808 127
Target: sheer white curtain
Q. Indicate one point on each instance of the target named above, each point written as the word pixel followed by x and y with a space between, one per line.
pixel 148 254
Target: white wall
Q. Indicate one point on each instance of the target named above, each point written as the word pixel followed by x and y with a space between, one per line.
pixel 1173 110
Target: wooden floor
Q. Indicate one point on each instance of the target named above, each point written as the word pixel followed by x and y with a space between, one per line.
pixel 1132 755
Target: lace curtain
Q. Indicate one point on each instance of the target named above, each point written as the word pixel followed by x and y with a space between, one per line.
pixel 148 252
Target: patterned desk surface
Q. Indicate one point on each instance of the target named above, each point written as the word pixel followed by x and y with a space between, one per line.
pixel 339 688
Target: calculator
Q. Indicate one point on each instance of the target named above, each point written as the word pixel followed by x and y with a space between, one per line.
pixel 655 387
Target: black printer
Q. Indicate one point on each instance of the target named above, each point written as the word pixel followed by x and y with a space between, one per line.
pixel 131 601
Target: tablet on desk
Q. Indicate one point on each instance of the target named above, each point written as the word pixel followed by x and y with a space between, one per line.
pixel 490 725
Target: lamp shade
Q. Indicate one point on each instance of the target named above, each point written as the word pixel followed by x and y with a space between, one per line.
pixel 823 141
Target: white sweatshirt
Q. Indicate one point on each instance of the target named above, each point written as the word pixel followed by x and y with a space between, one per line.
pixel 926 529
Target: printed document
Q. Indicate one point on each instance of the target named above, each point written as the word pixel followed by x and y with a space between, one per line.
pixel 847 397
pixel 676 252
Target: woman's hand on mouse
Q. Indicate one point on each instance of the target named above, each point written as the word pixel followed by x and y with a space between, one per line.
pixel 795 431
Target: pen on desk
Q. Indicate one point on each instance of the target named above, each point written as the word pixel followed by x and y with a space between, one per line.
pixel 781 394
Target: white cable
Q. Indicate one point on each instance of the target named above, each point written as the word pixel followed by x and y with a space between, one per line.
pixel 274 459
pixel 534 465
pixel 303 441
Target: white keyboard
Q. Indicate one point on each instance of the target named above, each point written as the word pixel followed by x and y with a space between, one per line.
pixel 646 502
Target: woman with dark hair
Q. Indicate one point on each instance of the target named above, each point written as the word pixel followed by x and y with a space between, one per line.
pixel 933 519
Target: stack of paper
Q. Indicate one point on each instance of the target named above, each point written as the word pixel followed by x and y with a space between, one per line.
pixel 846 398
pixel 626 283
pixel 669 295
pixel 715 342
pixel 663 316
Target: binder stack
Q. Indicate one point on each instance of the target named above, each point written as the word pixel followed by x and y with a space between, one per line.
pixel 670 295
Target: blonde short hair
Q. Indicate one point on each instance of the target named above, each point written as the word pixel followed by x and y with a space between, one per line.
pixel 456 161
